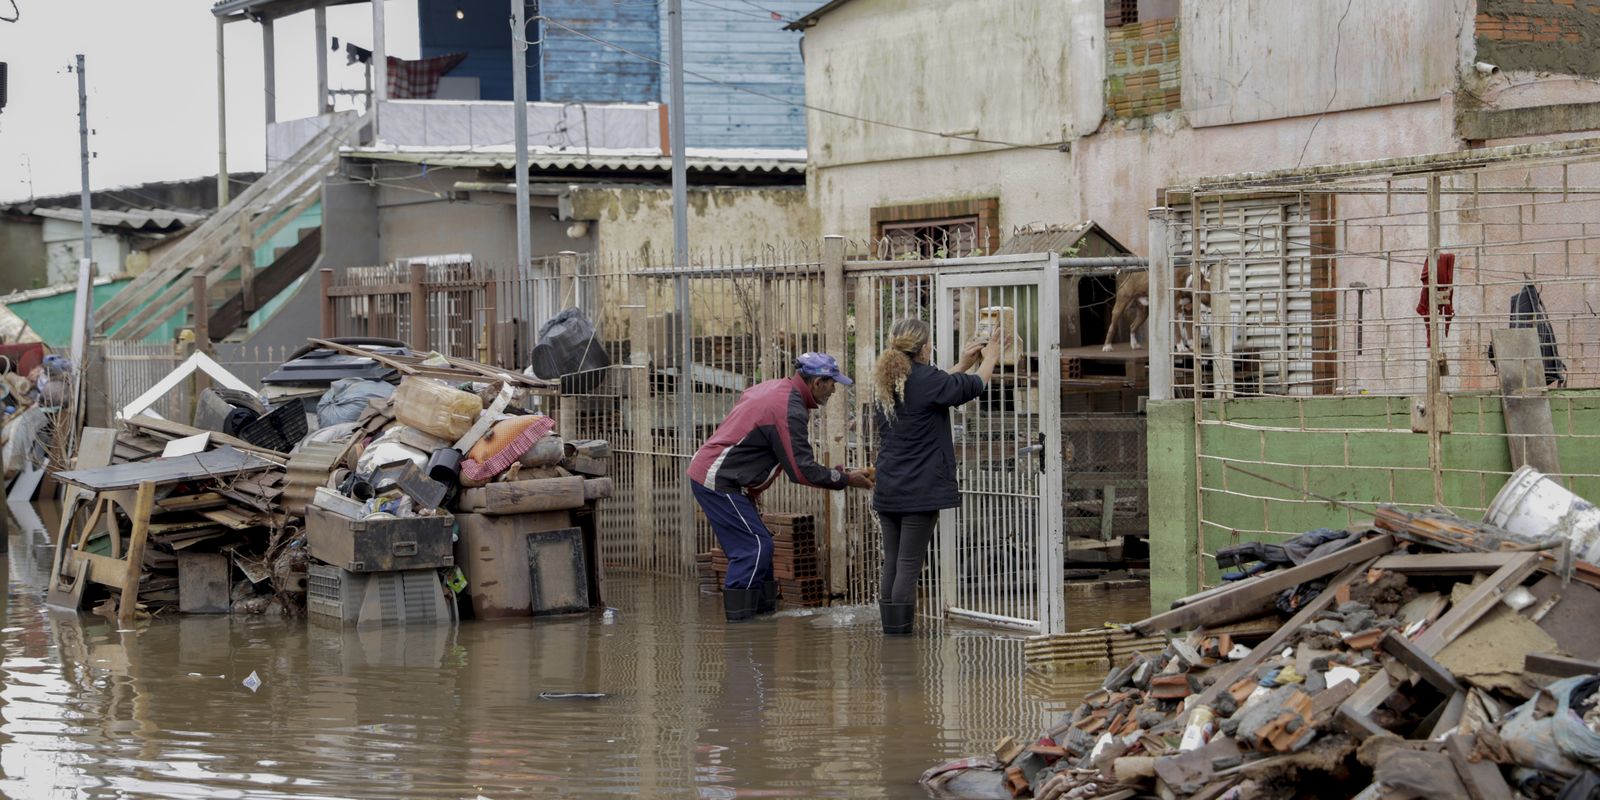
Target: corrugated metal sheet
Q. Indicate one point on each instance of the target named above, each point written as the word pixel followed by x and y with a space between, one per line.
pixel 135 219
pixel 737 44
pixel 784 161
pixel 574 69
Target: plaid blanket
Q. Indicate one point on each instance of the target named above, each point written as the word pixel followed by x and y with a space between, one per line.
pixel 419 80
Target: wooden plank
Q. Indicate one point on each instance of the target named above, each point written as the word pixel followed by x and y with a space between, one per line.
pixel 1455 622
pixel 1559 666
pixel 1446 563
pixel 1482 779
pixel 203 585
pixel 1397 645
pixel 129 601
pixel 1530 429
pixel 1248 598
pixel 95 448
pixel 269 283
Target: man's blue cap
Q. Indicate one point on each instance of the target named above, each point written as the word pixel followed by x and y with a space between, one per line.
pixel 821 365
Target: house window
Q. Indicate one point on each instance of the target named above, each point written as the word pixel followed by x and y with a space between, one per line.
pixel 944 229
pixel 943 238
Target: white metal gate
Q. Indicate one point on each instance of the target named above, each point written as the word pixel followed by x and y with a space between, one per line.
pixel 1001 553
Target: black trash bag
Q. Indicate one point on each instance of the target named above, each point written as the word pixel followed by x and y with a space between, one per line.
pixel 569 350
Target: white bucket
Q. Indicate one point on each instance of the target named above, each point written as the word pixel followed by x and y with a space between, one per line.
pixel 1534 507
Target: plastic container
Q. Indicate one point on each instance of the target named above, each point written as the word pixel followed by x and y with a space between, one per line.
pixel 1534 507
pixel 410 597
pixel 434 408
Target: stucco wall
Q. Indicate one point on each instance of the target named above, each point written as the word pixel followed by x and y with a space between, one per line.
pixel 635 223
pixel 1114 176
pixel 1020 71
pixel 22 257
pixel 1249 60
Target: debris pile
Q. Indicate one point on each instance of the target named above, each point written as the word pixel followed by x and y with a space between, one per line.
pixel 1427 656
pixel 366 484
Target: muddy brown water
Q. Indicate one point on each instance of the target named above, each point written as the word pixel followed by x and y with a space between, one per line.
pixel 808 704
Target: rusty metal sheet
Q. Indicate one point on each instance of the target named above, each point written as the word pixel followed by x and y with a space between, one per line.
pixel 224 462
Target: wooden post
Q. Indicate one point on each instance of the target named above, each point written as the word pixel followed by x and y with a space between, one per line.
pixel 489 346
pixel 641 422
pixel 329 327
pixel 128 603
pixel 419 307
pixel 202 313
pixel 836 339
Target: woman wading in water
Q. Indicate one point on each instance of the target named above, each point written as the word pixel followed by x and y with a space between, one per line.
pixel 916 464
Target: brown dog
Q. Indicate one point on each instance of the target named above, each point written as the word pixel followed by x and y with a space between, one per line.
pixel 1133 300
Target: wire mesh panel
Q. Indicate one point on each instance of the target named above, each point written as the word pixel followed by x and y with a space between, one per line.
pixel 1001 552
pixel 1404 332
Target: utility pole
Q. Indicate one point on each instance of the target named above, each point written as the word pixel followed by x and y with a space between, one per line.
pixel 519 113
pixel 82 302
pixel 83 310
pixel 222 120
pixel 680 253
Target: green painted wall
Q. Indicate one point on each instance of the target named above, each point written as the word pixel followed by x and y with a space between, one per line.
pixel 1354 449
pixel 51 317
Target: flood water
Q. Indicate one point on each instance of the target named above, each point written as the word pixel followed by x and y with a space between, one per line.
pixel 808 704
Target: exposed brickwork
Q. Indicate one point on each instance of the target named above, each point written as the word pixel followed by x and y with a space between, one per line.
pixel 1559 36
pixel 1142 75
pixel 986 209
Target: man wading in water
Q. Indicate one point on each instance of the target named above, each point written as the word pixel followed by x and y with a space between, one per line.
pixel 765 432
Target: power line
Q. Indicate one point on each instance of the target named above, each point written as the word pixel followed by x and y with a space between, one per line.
pixel 792 103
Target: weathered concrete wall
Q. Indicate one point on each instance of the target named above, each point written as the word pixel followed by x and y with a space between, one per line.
pixel 635 223
pixel 349 223
pixel 1114 176
pixel 22 254
pixel 1364 453
pixel 1552 36
pixel 1026 72
pixel 1284 66
pixel 63 243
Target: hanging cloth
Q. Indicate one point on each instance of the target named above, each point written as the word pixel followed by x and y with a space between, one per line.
pixel 1446 309
pixel 1527 311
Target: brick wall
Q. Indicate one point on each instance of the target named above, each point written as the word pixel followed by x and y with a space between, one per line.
pixel 1559 36
pixel 1142 76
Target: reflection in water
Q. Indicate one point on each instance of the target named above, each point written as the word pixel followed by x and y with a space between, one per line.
pixel 805 705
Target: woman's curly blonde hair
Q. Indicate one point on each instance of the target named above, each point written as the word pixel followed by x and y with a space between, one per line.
pixel 907 337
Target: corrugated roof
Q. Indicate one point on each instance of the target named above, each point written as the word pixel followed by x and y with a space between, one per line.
pixel 271 8
pixel 142 219
pixel 788 162
pixel 1054 239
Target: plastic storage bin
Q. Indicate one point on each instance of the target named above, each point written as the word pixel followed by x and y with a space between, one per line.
pixel 406 597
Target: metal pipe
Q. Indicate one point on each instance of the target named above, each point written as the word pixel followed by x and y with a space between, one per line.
pixel 519 114
pixel 324 102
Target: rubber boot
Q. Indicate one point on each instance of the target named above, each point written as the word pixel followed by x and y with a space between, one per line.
pixel 897 617
pixel 740 604
pixel 769 598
